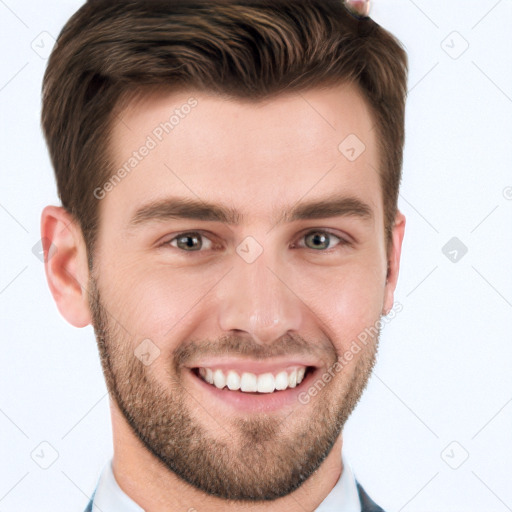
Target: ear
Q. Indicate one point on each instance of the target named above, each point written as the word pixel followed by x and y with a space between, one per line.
pixel 65 263
pixel 394 251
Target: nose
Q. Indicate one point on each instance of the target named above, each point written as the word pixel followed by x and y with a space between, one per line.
pixel 258 299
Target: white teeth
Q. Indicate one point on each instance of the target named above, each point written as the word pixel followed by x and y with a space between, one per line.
pixel 249 382
pixel 281 381
pixel 266 383
pixel 233 380
pixel 292 379
pixel 218 379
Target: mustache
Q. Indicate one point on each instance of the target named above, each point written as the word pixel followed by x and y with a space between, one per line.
pixel 245 346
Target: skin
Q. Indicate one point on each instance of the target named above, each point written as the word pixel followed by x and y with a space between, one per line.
pixel 261 159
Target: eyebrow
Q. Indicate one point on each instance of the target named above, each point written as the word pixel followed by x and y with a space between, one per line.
pixel 187 208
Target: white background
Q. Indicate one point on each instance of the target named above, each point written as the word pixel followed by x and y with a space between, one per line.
pixel 443 377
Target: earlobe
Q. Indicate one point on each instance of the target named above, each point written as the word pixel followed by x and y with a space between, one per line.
pixel 65 262
pixel 394 261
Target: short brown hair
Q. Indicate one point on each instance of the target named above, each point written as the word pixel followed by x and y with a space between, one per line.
pixel 248 49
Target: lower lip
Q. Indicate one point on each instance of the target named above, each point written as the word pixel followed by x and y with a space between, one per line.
pixel 258 402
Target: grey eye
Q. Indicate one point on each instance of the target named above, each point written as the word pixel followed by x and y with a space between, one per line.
pixel 189 242
pixel 319 239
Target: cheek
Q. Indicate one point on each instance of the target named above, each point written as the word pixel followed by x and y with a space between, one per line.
pixel 151 301
pixel 348 302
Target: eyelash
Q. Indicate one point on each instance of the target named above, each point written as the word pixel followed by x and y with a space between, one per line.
pixel 342 241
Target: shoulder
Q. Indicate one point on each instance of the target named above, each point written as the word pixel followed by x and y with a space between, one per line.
pixel 367 504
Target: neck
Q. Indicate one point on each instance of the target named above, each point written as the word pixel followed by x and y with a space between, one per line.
pixel 157 489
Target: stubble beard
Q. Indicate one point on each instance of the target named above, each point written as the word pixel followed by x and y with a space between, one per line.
pixel 259 458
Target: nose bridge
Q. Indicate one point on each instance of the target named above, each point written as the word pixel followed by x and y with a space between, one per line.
pixel 256 299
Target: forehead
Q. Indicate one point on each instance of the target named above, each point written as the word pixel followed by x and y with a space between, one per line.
pixel 253 155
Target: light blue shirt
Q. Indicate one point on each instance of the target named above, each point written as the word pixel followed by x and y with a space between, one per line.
pixel 109 497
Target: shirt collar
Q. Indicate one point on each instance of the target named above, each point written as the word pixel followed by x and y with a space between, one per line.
pixel 109 497
pixel 344 495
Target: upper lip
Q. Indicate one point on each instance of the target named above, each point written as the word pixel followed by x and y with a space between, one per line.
pixel 254 366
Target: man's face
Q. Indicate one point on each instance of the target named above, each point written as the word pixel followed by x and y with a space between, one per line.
pixel 265 295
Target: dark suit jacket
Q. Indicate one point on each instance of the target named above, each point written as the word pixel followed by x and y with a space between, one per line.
pixel 367 504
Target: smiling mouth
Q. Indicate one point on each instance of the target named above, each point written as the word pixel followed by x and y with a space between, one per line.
pixel 252 383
